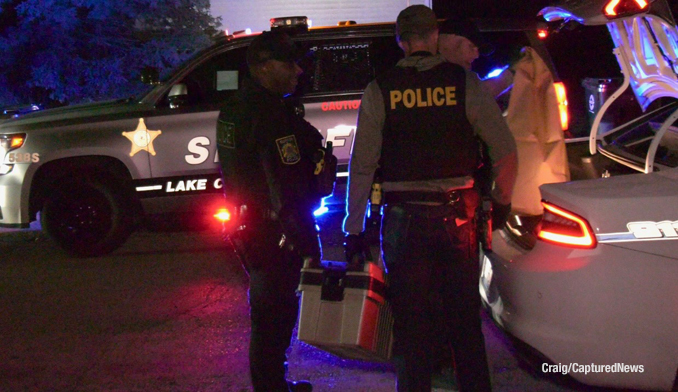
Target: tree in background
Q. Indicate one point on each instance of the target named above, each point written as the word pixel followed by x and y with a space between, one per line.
pixel 71 51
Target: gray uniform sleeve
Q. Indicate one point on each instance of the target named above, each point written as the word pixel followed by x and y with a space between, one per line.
pixel 488 123
pixel 500 84
pixel 365 157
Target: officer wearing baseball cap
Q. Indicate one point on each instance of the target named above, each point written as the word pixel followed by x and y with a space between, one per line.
pixel 268 160
pixel 465 41
pixel 276 45
pixel 419 124
pixel 461 42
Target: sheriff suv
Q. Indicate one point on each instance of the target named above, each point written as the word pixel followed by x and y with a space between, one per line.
pixel 95 172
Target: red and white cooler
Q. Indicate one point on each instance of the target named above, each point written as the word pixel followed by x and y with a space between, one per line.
pixel 345 312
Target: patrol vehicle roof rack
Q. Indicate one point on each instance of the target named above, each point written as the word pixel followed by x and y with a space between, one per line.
pixel 295 23
pixel 346 23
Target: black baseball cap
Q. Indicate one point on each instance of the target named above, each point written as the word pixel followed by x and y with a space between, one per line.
pixel 272 45
pixel 467 28
pixel 416 19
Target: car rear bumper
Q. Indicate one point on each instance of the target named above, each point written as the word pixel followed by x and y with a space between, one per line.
pixel 604 306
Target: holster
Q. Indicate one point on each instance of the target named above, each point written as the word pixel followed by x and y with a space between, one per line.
pixel 250 223
pixel 458 208
pixel 327 176
pixel 485 224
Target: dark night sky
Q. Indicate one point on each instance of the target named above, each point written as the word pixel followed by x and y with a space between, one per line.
pixel 489 8
pixel 502 8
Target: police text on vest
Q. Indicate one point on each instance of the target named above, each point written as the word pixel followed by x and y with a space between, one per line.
pixel 436 96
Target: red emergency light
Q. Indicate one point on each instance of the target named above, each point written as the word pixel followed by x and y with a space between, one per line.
pixel 223 215
pixel 620 8
pixel 561 96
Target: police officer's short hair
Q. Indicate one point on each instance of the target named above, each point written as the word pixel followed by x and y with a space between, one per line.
pixel 415 21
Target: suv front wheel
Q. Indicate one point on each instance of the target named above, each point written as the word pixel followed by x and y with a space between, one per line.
pixel 87 216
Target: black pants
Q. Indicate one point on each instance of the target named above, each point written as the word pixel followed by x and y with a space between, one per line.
pixel 431 256
pixel 274 305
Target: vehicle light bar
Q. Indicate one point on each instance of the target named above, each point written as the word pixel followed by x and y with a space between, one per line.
pixel 561 96
pixel 562 227
pixel 299 22
pixel 619 8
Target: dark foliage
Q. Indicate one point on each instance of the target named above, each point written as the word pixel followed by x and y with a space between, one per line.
pixel 71 51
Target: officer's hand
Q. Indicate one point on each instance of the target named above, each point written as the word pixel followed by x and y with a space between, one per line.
pixel 305 243
pixel 500 214
pixel 355 249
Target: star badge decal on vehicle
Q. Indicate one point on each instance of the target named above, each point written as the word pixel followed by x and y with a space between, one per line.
pixel 142 138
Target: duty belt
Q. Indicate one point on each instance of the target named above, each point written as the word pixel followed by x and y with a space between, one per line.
pixel 253 213
pixel 401 197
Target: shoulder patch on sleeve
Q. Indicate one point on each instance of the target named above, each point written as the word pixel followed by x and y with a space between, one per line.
pixel 226 134
pixel 288 149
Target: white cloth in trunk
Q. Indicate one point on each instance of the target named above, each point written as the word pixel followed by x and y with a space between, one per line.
pixel 534 120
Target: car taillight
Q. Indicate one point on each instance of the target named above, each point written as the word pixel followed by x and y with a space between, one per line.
pixel 542 33
pixel 565 228
pixel 223 215
pixel 561 95
pixel 620 8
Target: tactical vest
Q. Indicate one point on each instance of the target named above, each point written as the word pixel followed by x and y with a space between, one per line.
pixel 426 133
pixel 264 162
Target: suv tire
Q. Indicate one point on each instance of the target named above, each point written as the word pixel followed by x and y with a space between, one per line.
pixel 87 217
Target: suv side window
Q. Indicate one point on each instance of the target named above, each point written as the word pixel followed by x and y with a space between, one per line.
pixel 345 65
pixel 337 65
pixel 216 79
pixel 388 53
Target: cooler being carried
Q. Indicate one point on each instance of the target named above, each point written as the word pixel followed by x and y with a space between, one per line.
pixel 345 312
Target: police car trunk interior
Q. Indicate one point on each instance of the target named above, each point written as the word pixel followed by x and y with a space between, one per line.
pixel 629 130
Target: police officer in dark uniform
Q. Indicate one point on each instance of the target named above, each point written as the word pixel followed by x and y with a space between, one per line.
pixel 419 123
pixel 267 153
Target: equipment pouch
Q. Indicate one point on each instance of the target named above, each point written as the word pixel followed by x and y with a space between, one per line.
pixel 325 174
pixel 462 228
pixel 468 203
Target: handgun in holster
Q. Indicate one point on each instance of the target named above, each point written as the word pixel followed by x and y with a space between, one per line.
pixel 325 173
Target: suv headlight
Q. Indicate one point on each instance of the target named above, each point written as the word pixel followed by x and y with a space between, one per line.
pixel 12 142
pixel 7 144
